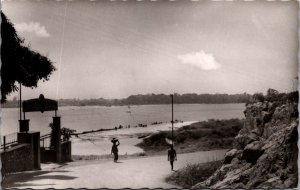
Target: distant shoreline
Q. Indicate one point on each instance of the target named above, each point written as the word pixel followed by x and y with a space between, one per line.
pixel 150 99
pixel 61 106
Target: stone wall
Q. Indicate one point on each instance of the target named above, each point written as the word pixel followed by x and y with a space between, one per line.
pixel 17 159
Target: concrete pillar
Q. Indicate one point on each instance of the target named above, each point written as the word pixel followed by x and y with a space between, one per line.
pixel 32 138
pixel 57 138
pixel 24 125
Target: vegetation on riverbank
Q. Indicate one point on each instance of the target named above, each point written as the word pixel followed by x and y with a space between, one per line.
pixel 200 136
pixel 193 173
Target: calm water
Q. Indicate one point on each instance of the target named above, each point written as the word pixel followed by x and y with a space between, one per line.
pixel 96 117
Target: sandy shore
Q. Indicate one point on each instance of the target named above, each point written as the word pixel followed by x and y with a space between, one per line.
pixel 98 143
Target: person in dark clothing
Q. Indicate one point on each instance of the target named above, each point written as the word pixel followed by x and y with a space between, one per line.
pixel 172 156
pixel 114 149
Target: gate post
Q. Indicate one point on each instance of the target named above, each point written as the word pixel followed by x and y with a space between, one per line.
pixel 32 138
pixel 57 138
pixel 24 125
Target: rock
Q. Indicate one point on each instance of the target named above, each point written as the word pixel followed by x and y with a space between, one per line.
pixel 265 152
pixel 235 161
pixel 229 156
pixel 252 152
pixel 290 182
pixel 242 140
pixel 239 186
pixel 273 183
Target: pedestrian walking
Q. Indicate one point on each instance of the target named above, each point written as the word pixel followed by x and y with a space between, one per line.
pixel 114 148
pixel 172 156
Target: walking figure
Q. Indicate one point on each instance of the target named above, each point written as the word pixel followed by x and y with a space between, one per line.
pixel 114 149
pixel 172 156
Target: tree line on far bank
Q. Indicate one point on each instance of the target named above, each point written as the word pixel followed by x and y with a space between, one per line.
pixel 150 99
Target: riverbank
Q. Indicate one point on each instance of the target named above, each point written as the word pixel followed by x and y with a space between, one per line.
pixel 151 140
pixel 199 136
pixel 97 145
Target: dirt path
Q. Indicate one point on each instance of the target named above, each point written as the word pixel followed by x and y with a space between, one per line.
pixel 132 173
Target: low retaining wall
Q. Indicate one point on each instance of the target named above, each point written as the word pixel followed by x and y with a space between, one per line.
pixel 50 156
pixel 18 158
pixel 21 157
pixel 47 155
pixel 66 151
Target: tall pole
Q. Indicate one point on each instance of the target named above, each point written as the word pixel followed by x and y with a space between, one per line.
pixel 172 120
pixel 20 102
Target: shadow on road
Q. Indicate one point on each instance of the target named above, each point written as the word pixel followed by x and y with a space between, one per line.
pixel 23 179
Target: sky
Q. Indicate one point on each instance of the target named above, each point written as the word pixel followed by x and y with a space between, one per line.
pixel 114 49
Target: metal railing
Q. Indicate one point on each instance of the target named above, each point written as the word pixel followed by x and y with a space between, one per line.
pixel 8 141
pixel 45 141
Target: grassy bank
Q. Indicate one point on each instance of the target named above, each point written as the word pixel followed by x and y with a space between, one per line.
pixel 193 174
pixel 200 136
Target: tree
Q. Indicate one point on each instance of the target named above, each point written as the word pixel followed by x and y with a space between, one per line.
pixel 272 95
pixel 258 97
pixel 19 63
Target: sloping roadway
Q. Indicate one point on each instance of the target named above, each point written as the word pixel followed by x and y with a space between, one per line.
pixel 129 173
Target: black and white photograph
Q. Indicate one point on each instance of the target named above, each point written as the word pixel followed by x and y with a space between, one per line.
pixel 172 94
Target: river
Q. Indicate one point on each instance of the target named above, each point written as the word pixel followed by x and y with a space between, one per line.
pixel 96 117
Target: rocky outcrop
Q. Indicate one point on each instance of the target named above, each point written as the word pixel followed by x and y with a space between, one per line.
pixel 265 151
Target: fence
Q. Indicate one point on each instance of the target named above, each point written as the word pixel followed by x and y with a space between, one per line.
pixel 8 141
pixel 45 141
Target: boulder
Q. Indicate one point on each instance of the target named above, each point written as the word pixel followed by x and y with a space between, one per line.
pixel 242 140
pixel 253 151
pixel 230 155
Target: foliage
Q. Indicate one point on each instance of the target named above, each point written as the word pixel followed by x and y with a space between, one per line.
pixel 193 174
pixel 273 95
pixel 19 63
pixel 186 99
pixel 215 133
pixel 52 139
pixel 66 133
pixel 258 97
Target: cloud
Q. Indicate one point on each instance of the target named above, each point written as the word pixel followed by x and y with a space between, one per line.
pixel 202 60
pixel 32 27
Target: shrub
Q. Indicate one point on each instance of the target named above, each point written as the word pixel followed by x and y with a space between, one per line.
pixel 194 173
pixel 213 130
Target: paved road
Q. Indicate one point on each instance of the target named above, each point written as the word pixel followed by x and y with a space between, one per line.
pixel 132 173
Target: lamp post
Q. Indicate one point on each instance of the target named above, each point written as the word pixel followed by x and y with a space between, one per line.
pixel 20 101
pixel 23 123
pixel 172 120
